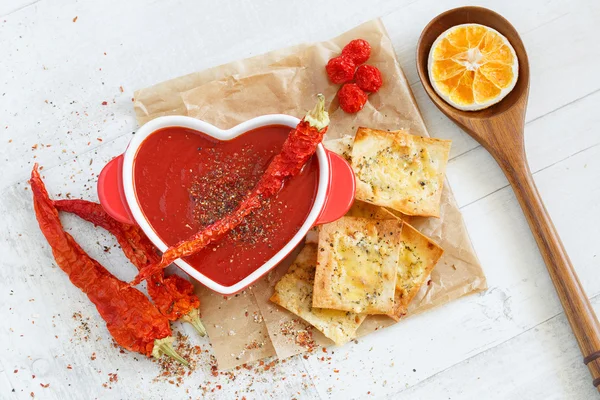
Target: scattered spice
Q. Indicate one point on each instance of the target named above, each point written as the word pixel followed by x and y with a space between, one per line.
pixel 172 370
pixel 75 19
pixel 297 149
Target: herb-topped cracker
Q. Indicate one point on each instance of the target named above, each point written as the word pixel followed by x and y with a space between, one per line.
pixel 399 170
pixel 294 292
pixel 356 265
pixel 418 256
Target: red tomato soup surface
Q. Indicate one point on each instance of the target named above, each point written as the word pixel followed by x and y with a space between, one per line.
pixel 185 180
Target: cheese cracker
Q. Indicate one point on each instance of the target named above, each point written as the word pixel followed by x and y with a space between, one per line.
pixel 418 256
pixel 294 292
pixel 399 170
pixel 356 265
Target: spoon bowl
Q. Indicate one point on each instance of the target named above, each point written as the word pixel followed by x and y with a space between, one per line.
pixel 514 101
pixel 500 129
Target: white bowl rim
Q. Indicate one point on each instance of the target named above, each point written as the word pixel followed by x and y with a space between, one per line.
pixel 221 134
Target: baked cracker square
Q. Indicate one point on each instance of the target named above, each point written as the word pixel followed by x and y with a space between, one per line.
pixel 356 265
pixel 400 171
pixel 294 292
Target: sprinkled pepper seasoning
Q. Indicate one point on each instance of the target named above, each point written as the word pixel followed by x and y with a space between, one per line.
pixel 298 148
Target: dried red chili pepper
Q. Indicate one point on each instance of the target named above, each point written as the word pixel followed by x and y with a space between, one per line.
pixel 368 78
pixel 173 295
pixel 352 98
pixel 131 319
pixel 358 50
pixel 297 149
pixel 340 69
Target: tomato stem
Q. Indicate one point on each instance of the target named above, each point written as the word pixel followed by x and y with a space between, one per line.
pixel 193 317
pixel 164 346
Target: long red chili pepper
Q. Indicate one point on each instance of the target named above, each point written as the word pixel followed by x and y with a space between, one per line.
pixel 173 295
pixel 131 319
pixel 297 149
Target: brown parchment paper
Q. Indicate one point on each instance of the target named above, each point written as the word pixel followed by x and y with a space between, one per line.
pixel 247 327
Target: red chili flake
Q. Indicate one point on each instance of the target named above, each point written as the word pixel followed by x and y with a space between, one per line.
pixel 324 349
pixel 44 385
pixel 104 103
pixel 219 387
pixel 34 147
pixel 352 98
pixel 9 140
pixel 337 371
pixel 32 394
pixel 358 50
pixel 99 139
pixel 93 357
pixel 340 69
pixel 69 366
pixel 368 78
pixel 121 89
pixel 75 19
pixel 15 371
pixel 429 282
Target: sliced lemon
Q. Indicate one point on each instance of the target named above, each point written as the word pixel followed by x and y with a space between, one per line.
pixel 472 66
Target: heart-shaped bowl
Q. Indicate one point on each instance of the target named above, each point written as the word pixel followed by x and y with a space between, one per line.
pixel 116 189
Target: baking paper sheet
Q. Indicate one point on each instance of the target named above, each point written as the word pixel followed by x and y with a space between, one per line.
pixel 247 327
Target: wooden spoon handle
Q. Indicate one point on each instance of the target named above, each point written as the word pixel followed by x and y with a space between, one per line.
pixel 577 307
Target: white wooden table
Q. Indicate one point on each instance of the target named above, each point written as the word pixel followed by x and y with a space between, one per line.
pixel 511 342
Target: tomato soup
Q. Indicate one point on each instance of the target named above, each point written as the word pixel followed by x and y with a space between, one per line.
pixel 185 180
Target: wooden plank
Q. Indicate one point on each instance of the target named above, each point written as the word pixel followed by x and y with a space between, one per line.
pixel 14 6
pixel 140 47
pixel 541 363
pixel 46 49
pixel 548 140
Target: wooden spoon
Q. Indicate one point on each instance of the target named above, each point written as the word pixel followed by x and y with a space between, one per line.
pixel 500 130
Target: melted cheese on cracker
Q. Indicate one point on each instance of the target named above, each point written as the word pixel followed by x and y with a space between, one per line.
pixel 400 171
pixel 357 260
pixel 294 292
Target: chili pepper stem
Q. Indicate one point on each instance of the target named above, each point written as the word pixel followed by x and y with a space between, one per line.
pixel 318 118
pixel 193 317
pixel 164 346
